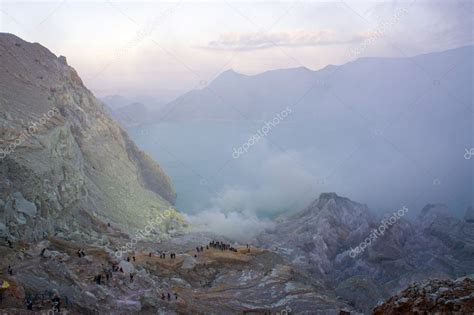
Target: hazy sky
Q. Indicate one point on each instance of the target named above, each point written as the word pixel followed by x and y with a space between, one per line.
pixel 162 49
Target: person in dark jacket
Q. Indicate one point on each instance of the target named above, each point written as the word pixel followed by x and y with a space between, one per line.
pixel 56 301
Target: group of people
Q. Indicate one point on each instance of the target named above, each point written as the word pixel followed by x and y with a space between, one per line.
pixel 106 273
pixel 80 253
pixel 163 297
pixel 55 303
pixel 172 255
pixel 222 246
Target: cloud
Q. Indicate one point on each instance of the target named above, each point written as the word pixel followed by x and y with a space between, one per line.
pixel 238 226
pixel 261 40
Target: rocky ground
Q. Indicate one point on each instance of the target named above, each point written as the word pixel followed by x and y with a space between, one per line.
pixel 432 297
pixel 208 282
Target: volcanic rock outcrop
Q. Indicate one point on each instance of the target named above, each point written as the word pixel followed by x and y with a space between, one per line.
pixel 321 240
pixel 433 297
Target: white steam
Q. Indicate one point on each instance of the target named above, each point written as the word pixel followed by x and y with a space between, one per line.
pixel 281 184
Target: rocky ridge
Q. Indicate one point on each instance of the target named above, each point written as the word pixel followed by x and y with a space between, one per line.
pixel 432 296
pixel 321 239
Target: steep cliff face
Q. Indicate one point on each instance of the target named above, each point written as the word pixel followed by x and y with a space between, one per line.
pixel 62 156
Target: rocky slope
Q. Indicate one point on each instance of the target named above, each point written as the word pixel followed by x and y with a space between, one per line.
pixel 321 239
pixel 432 296
pixel 64 162
pixel 208 282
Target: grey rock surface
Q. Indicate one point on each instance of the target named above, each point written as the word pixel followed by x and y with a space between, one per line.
pixel 319 240
pixel 65 165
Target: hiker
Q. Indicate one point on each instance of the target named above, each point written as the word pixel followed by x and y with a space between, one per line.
pixel 98 279
pixel 56 301
pixel 207 247
pixel 10 270
pixel 197 249
pixel 202 248
pixel 163 296
pixel 128 259
pixel 247 245
pixel 29 304
pixel 9 243
pixel 169 296
pixel 133 258
pixel 108 224
pixel 107 276
pixel 149 254
pixel 176 295
pixel 131 277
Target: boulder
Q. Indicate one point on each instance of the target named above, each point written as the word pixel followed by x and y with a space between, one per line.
pixel 24 206
pixel 189 262
pixel 3 229
pixel 126 266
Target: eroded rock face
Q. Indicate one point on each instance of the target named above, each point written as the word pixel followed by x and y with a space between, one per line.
pixel 61 153
pixel 319 239
pixel 314 237
pixel 432 296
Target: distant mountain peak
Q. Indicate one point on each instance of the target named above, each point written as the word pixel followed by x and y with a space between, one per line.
pixel 227 77
pixel 230 71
